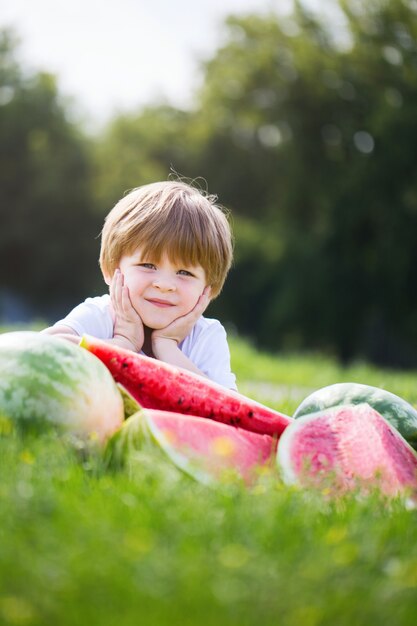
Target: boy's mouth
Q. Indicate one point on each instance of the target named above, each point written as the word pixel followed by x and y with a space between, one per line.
pixel 160 303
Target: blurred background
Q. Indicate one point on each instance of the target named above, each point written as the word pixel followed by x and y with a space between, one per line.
pixel 301 116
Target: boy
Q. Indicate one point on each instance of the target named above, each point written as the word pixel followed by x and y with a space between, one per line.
pixel 165 252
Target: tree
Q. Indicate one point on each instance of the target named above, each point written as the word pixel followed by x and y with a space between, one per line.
pixel 47 242
pixel 139 148
pixel 316 143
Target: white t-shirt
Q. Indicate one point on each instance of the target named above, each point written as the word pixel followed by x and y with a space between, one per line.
pixel 206 345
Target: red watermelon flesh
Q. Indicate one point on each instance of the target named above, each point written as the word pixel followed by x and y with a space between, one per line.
pixel 346 448
pixel 158 385
pixel 208 448
pixel 202 448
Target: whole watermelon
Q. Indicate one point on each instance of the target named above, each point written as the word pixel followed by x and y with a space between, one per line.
pixel 396 411
pixel 48 381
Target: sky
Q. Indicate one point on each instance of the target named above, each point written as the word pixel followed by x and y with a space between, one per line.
pixel 115 55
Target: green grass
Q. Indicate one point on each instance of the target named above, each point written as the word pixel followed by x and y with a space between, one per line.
pixel 81 545
pixel 284 380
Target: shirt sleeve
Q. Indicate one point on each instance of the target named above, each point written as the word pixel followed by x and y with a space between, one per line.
pixel 210 353
pixel 91 317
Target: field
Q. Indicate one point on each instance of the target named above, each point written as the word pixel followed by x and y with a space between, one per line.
pixel 80 545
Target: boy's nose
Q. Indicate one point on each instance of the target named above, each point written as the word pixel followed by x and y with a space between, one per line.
pixel 163 284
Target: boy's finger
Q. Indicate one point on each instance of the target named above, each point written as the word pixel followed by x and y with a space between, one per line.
pixel 126 302
pixel 116 287
pixel 203 301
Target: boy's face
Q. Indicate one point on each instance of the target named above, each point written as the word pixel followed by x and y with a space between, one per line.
pixel 161 292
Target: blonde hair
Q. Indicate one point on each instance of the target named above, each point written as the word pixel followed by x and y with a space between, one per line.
pixel 169 217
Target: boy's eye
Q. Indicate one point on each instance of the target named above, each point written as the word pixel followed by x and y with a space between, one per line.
pixel 148 266
pixel 185 273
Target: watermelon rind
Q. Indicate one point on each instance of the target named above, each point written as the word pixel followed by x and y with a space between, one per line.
pixel 139 437
pixel 130 405
pixel 398 412
pixel 48 382
pixel 125 441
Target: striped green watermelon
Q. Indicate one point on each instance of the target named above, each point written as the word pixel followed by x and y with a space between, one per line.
pixel 203 449
pixel 45 381
pixel 397 411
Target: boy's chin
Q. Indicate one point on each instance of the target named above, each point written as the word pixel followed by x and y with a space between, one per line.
pixel 153 325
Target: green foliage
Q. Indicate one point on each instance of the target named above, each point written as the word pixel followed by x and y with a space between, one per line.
pixel 283 380
pixel 136 149
pixel 47 249
pixel 316 143
pixel 81 544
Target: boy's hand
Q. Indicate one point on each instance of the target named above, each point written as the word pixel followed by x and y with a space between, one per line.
pixel 181 327
pixel 128 326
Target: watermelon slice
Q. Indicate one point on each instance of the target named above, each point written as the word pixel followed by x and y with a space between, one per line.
pixel 157 385
pixel 397 411
pixel 202 448
pixel 347 448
